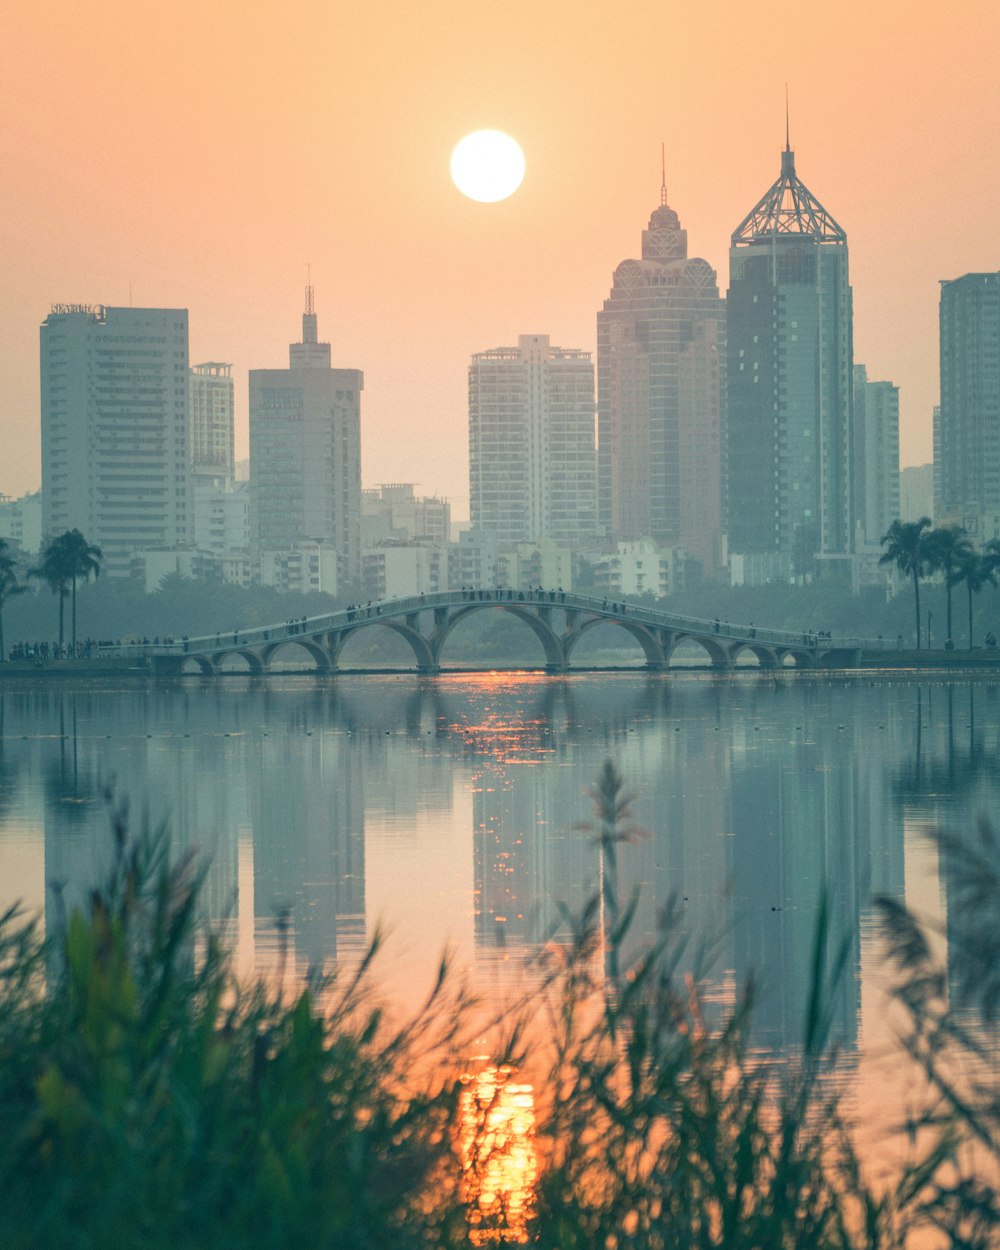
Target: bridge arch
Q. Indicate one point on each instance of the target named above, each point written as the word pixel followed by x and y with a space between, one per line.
pixel 766 657
pixel 555 657
pixel 644 636
pixel 250 658
pixel 304 642
pixel 418 644
pixel 717 654
pixel 203 665
pixel 793 657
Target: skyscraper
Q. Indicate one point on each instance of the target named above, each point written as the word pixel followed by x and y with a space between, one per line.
pixel 305 451
pixel 967 429
pixel 114 428
pixel 660 342
pixel 532 461
pixel 876 457
pixel 790 387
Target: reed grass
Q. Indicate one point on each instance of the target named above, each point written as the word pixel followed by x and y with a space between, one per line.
pixel 149 1099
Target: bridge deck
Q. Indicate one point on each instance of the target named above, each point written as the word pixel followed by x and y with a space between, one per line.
pixel 425 621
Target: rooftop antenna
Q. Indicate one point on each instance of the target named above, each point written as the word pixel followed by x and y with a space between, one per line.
pixel 309 331
pixel 663 174
pixel 788 144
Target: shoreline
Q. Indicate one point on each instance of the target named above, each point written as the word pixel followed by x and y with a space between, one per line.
pixel 984 660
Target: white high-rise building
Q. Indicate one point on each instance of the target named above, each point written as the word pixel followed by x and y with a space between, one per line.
pixel 305 452
pixel 532 456
pixel 115 458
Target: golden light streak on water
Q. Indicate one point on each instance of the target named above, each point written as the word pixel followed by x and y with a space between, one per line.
pixel 500 1166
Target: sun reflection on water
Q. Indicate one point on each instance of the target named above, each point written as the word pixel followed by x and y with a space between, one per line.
pixel 498 1156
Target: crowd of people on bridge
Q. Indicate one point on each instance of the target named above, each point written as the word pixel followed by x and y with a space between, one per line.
pixel 43 651
pixel 506 594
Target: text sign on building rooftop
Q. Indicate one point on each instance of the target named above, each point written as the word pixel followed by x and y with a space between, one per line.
pixel 93 310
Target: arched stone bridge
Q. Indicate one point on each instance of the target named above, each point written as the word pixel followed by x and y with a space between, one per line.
pixel 559 619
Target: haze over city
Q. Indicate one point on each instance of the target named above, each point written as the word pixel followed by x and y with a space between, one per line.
pixel 203 156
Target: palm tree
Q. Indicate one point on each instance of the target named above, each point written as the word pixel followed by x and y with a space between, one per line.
pixel 9 586
pixel 905 544
pixel 82 559
pixel 67 560
pixel 976 570
pixel 52 571
pixel 947 547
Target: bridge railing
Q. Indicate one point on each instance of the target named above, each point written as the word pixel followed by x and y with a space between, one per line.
pixel 393 608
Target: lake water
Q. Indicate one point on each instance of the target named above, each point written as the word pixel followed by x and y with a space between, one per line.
pixel 453 811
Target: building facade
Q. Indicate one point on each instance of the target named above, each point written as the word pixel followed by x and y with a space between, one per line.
pixel 21 522
pixel 305 452
pixel 916 492
pixel 532 458
pixel 115 458
pixel 211 420
pixel 967 428
pixel 395 511
pixel 660 378
pixel 876 457
pixel 790 455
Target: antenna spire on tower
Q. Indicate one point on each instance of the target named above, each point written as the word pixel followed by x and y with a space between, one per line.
pixel 663 174
pixel 788 143
pixel 309 332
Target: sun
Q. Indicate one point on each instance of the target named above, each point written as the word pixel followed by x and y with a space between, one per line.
pixel 487 166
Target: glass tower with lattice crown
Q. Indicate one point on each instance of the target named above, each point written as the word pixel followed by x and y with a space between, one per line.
pixel 789 443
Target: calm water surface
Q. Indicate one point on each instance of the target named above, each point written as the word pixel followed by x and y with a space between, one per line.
pixel 449 810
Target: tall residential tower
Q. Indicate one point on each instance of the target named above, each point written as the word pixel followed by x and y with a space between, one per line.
pixel 532 461
pixel 305 452
pixel 967 427
pixel 660 345
pixel 115 428
pixel 790 466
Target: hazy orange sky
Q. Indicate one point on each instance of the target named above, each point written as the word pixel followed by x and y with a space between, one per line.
pixel 203 153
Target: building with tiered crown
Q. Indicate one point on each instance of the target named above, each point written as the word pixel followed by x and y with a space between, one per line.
pixel 305 454
pixel 660 353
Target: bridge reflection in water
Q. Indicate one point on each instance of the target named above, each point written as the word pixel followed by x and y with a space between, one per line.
pixel 558 619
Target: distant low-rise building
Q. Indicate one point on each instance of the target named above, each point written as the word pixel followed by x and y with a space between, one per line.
pixel 640 567
pixel 397 570
pixel 395 511
pixel 303 568
pixel 221 508
pixel 529 565
pixel 149 568
pixel 472 559
pixel 21 522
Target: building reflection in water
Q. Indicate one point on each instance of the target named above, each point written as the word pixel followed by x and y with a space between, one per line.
pixel 458 806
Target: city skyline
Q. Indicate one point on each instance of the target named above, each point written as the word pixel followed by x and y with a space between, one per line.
pixel 241 158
